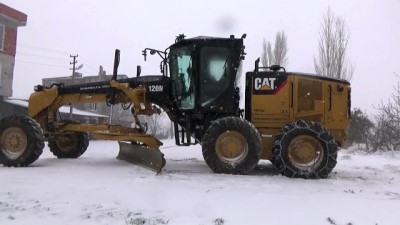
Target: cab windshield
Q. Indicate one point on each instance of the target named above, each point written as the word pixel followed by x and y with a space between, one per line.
pixel 215 73
pixel 180 63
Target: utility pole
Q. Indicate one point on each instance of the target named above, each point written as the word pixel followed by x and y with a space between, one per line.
pixel 74 61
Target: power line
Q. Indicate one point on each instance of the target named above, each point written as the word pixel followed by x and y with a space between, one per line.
pixel 41 56
pixel 45 64
pixel 42 64
pixel 24 45
pixel 92 68
pixel 89 65
pixel 88 61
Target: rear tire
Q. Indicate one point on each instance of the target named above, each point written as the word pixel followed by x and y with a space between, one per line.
pixel 231 145
pixel 69 145
pixel 305 150
pixel 21 141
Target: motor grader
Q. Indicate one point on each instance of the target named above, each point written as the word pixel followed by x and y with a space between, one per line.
pixel 297 121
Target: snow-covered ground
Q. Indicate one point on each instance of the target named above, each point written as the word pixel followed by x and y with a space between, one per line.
pixel 99 189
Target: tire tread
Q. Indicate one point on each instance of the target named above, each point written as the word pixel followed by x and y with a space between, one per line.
pixel 35 139
pixel 280 159
pixel 244 127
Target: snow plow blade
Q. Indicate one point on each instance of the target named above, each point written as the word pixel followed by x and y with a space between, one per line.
pixel 149 158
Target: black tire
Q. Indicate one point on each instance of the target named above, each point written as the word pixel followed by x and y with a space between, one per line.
pixel 231 145
pixel 69 144
pixel 305 150
pixel 21 141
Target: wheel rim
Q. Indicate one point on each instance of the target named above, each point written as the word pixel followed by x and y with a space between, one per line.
pixel 305 152
pixel 231 146
pixel 13 142
pixel 67 142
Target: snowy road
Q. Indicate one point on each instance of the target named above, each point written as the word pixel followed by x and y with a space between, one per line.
pixel 98 189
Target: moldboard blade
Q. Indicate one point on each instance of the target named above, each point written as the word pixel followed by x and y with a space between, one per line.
pixel 139 155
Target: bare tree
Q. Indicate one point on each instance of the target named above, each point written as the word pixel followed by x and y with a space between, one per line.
pixel 332 48
pixel 267 58
pixel 277 55
pixel 360 127
pixel 281 49
pixel 386 133
pixel 157 125
pixel 153 124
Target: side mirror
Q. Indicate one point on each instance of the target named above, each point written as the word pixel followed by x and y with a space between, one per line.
pixel 138 71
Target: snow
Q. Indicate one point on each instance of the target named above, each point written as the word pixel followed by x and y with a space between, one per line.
pixel 99 189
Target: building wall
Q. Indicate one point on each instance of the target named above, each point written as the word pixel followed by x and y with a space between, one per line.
pixel 6 74
pixel 10 41
pixel 10 19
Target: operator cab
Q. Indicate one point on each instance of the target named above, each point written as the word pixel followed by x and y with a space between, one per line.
pixel 203 73
pixel 202 83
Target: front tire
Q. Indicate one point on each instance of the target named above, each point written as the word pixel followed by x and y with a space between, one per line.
pixel 231 145
pixel 305 150
pixel 21 141
pixel 69 145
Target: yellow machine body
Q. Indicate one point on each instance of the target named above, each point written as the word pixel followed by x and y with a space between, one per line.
pixel 296 97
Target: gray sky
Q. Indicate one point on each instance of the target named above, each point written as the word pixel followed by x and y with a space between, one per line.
pixel 94 28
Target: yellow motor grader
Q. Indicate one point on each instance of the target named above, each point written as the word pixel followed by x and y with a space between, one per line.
pixel 297 121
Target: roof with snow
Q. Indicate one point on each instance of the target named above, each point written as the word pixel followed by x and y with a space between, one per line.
pixel 12 15
pixel 63 109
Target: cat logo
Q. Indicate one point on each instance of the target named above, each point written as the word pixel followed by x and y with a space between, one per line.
pixel 264 84
pixel 268 85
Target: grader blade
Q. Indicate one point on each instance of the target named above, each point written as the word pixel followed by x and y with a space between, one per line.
pixel 149 158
